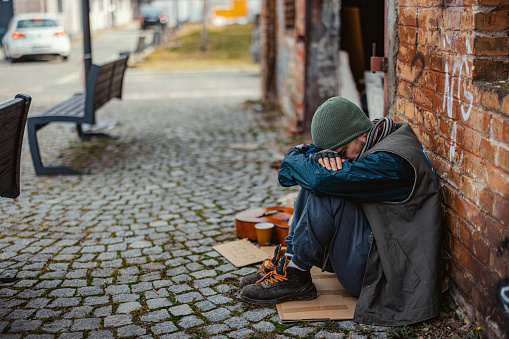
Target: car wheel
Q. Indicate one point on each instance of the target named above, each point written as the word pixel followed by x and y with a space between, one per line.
pixel 65 58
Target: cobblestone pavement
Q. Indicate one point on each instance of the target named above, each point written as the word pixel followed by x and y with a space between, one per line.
pixel 127 251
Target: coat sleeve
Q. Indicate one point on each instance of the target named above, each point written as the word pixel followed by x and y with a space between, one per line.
pixel 380 176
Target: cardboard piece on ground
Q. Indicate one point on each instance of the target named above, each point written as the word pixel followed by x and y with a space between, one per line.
pixel 332 303
pixel 241 252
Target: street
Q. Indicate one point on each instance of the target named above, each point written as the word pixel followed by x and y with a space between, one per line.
pixel 51 81
pixel 127 250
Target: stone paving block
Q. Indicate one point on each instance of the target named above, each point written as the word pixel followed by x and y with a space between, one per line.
pixel 188 297
pixel 236 322
pixel 258 314
pixel 38 303
pixel 299 331
pixel 204 283
pixel 121 298
pixel 39 336
pixel 45 314
pixel 217 314
pixel 180 310
pixel 141 287
pixel 100 335
pixel 25 325
pixel 216 328
pixel 158 303
pixel 3 325
pixel 118 320
pixel 128 307
pixel 79 312
pixel 219 299
pixel 161 293
pixel 96 300
pixel 131 331
pixel 57 326
pixel 178 335
pixel 48 284
pixel 328 335
pixel 264 326
pixel 86 324
pixel 72 335
pixel 63 292
pixel 190 321
pixel 103 311
pixel 181 278
pixel 20 314
pixel 74 283
pixel 155 316
pixel 164 327
pixel 241 333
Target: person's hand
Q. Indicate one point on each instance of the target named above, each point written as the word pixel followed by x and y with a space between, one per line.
pixel 299 148
pixel 329 159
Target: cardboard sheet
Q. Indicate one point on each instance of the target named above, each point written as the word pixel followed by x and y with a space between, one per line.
pixel 242 252
pixel 332 302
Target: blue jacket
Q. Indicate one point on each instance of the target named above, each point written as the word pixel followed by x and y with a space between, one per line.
pixel 381 176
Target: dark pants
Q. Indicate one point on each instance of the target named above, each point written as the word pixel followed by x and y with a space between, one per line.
pixel 332 227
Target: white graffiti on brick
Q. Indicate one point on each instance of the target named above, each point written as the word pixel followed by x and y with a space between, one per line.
pixel 465 97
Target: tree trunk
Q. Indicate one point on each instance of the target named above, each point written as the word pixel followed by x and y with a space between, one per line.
pixel 204 33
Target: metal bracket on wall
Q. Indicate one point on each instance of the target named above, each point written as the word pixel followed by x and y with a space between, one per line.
pixel 378 64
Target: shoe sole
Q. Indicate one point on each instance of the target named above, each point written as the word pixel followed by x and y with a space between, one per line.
pixel 308 294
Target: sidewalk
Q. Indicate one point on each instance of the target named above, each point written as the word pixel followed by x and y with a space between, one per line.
pixel 127 251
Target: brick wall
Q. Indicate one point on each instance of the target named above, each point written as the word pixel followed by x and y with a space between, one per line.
pixel 452 87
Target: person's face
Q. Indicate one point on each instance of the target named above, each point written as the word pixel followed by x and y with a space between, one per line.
pixel 352 148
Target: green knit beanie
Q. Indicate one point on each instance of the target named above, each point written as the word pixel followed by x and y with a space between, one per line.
pixel 338 121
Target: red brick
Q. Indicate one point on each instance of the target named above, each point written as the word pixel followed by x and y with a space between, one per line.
pixel 498 180
pixel 503 158
pixel 480 120
pixel 460 254
pixel 486 201
pixel 500 126
pixel 423 97
pixel 407 35
pixel 488 150
pixel 496 20
pixel 491 46
pixel 409 110
pixel 474 166
pixel 407 17
pixel 492 2
pixel 489 100
pixel 465 234
pixel 501 211
pixel 467 186
pixel 491 228
pixel 480 248
pixel 405 90
pixel 428 17
pixel 467 21
pixel 442 147
pixel 490 69
pixel 504 106
pixel 469 139
pixel 498 265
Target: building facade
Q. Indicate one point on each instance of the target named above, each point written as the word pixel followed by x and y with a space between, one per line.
pixel 443 67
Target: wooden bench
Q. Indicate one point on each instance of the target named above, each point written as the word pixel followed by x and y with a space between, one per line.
pixel 104 83
pixel 13 117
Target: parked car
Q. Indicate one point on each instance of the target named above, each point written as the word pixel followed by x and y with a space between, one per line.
pixel 153 17
pixel 33 34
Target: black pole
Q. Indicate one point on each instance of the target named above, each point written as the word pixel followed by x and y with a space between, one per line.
pixel 87 45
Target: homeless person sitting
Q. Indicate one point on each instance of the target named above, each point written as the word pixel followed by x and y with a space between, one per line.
pixel 368 210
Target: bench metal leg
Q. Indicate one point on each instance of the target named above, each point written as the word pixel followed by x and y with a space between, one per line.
pixel 40 169
pixel 91 135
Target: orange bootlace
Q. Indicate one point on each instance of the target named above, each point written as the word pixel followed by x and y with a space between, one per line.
pixel 269 264
pixel 273 277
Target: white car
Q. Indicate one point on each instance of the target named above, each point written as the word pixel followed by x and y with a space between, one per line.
pixel 32 34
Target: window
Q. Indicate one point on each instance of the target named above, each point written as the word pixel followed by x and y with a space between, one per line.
pixel 60 7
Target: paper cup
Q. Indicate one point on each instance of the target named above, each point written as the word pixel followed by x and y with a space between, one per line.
pixel 264 232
